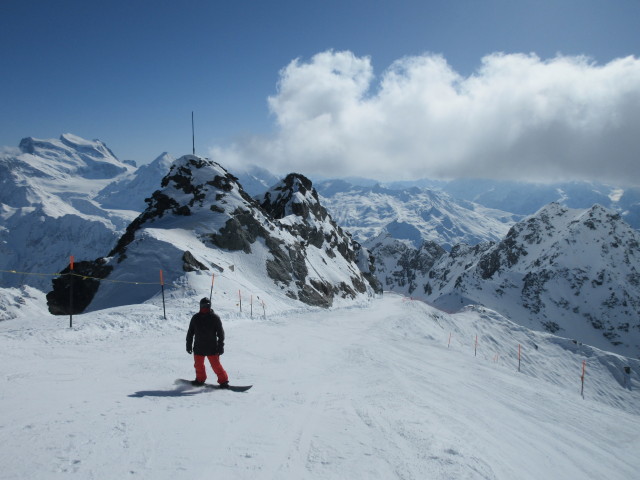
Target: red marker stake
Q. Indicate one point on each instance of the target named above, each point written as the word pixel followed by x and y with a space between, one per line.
pixel 213 277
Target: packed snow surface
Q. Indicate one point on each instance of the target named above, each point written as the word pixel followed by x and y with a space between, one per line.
pixel 389 389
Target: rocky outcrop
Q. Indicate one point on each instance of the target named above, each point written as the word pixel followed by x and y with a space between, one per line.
pixel 295 205
pixel 566 271
pixel 301 249
pixel 84 279
pixel 398 265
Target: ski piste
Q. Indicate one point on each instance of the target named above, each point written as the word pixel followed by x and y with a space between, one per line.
pixel 233 388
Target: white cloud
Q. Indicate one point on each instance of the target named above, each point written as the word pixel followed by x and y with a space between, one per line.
pixel 516 117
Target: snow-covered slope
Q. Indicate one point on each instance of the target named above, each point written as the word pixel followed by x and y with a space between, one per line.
pixel 414 214
pixel 128 193
pixel 47 206
pixel 358 393
pixel 201 222
pixel 574 272
pixel 256 180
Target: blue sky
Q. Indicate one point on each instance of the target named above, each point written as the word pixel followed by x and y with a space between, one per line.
pixel 131 72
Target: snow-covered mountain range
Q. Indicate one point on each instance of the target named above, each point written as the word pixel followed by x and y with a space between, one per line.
pixel 527 198
pixel 70 196
pixel 48 207
pixel 202 220
pixel 412 214
pixel 574 272
pixel 428 245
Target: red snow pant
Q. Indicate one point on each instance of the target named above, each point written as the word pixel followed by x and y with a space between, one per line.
pixel 214 360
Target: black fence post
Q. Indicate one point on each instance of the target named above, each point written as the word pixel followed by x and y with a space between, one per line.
pixel 164 309
pixel 71 291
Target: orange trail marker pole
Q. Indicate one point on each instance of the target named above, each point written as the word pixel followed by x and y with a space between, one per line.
pixel 519 350
pixel 251 303
pixel 213 277
pixel 584 366
pixel 164 308
pixel 71 291
pixel 240 297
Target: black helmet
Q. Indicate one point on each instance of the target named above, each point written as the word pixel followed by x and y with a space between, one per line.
pixel 205 303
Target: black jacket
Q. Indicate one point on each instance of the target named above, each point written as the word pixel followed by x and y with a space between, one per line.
pixel 207 328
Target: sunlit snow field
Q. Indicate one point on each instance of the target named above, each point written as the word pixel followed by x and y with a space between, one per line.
pixel 393 389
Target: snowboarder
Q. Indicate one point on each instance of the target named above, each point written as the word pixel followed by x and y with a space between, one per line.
pixel 206 326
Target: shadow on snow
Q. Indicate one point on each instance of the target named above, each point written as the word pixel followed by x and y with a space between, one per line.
pixel 176 392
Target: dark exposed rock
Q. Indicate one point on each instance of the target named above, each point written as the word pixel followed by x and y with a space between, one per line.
pixel 533 288
pixel 85 278
pixel 295 198
pixel 319 294
pixel 410 264
pixel 506 255
pixel 279 201
pixel 239 232
pixel 190 264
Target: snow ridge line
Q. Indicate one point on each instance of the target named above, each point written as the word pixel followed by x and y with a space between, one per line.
pixel 411 299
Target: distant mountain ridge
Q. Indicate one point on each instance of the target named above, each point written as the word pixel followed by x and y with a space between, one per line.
pixel 414 215
pixel 129 192
pixel 524 198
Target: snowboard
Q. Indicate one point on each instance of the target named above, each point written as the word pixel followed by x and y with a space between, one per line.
pixel 233 388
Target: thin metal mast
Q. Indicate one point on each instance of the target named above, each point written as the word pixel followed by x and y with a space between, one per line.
pixel 193 134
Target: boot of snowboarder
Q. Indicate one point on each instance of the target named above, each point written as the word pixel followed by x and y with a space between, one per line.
pixel 205 339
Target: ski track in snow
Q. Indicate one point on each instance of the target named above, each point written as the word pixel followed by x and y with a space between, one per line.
pixel 346 393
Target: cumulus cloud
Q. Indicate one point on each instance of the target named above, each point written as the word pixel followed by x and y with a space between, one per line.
pixel 516 117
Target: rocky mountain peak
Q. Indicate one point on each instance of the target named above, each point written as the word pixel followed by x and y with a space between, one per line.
pixel 568 270
pixel 296 205
pixel 196 187
pixel 291 242
pixel 294 195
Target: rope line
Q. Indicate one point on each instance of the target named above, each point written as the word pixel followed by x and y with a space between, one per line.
pixel 83 277
pixel 32 273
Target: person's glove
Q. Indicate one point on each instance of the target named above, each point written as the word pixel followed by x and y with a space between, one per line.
pixel 220 349
pixel 189 350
